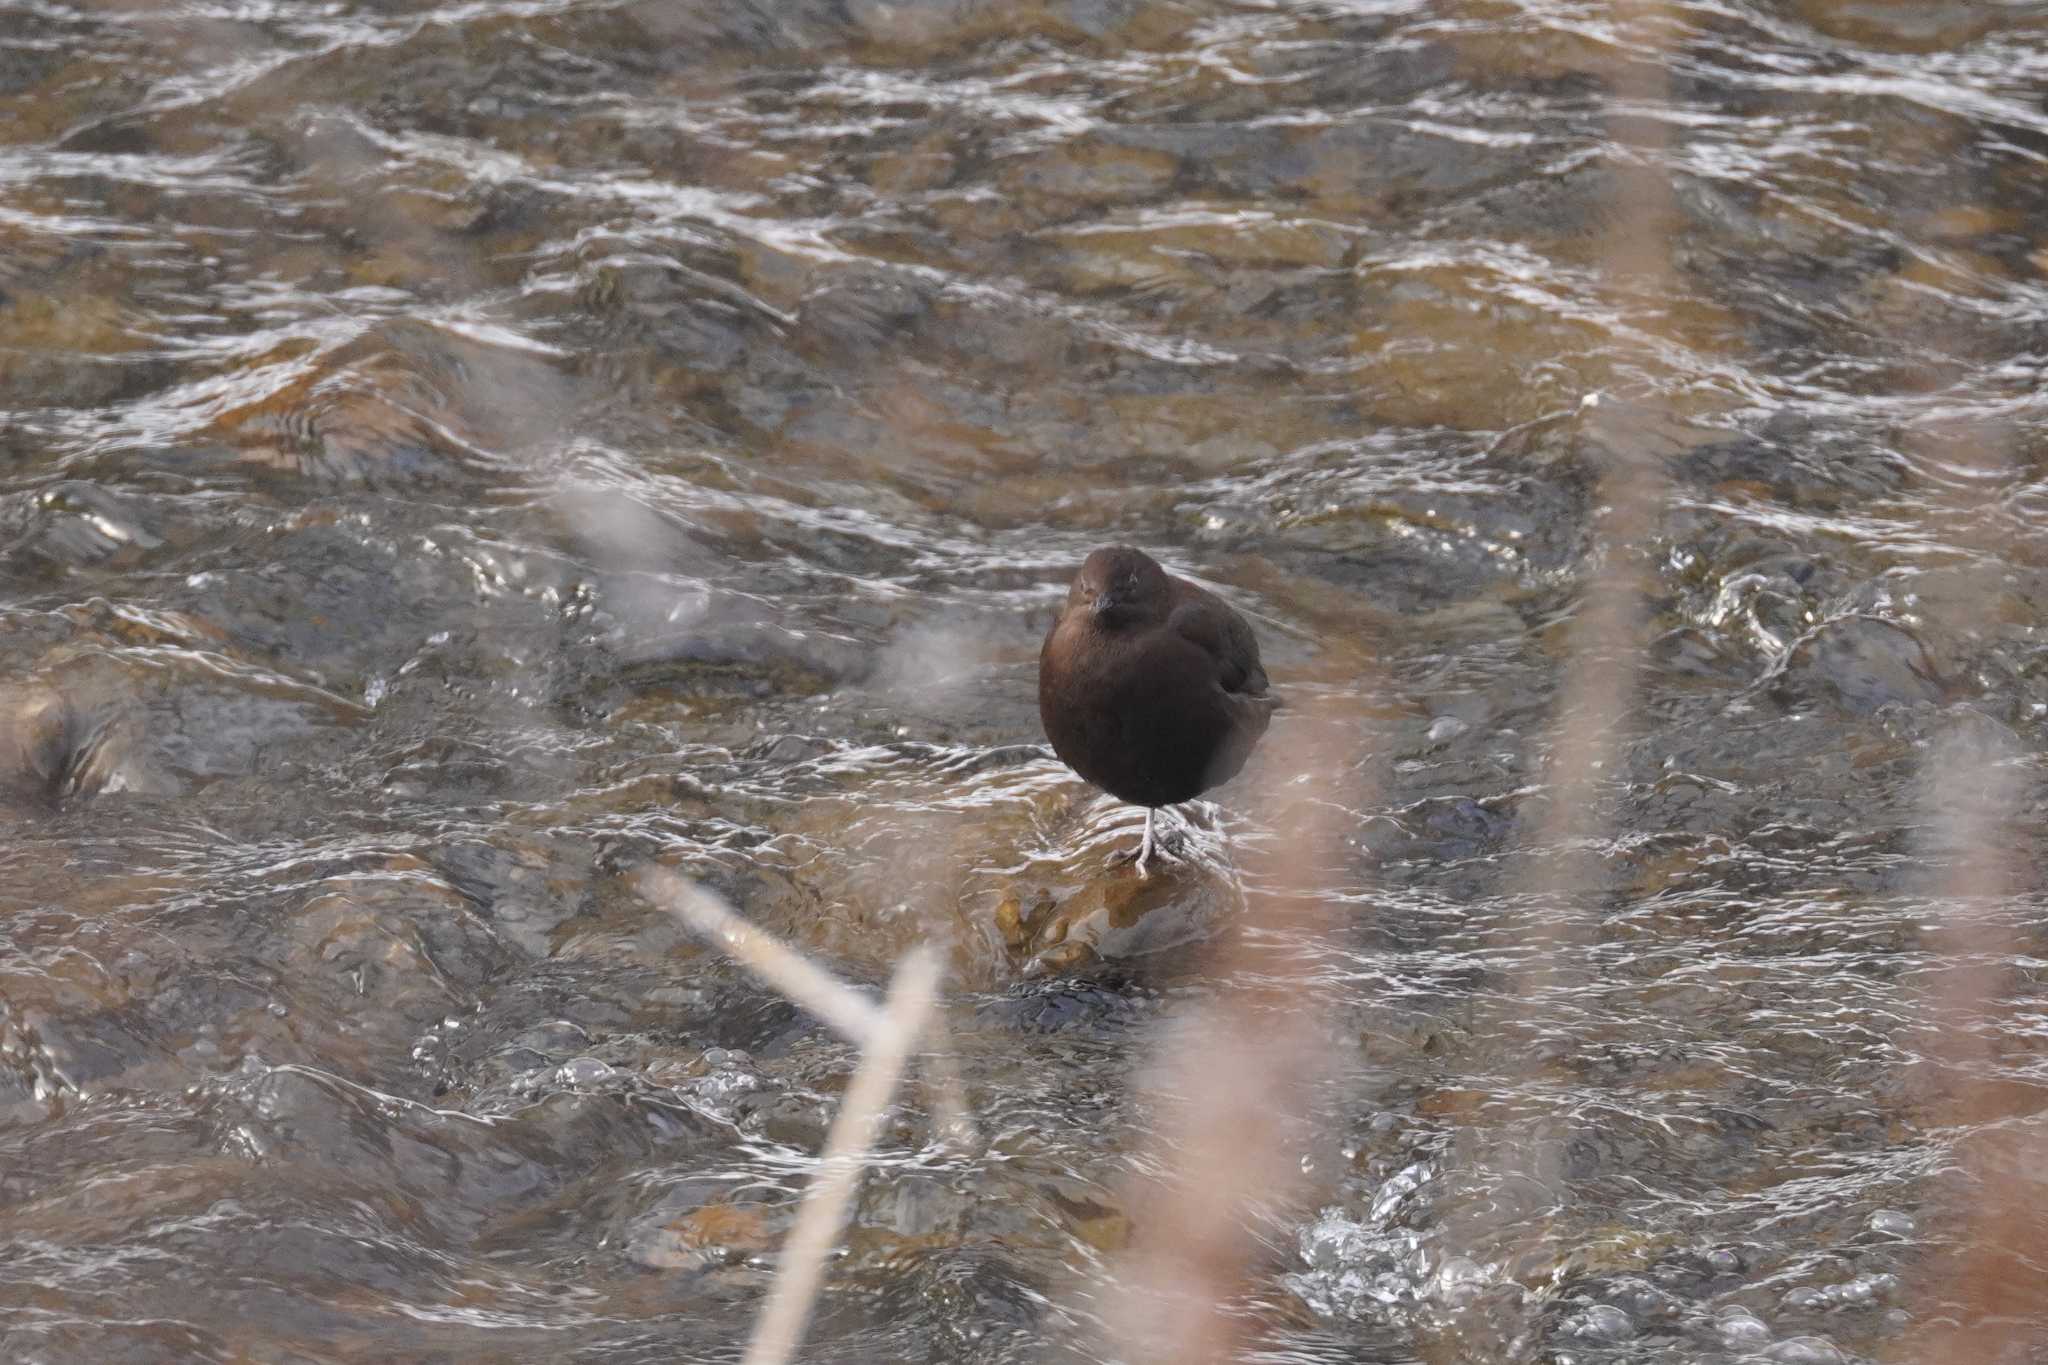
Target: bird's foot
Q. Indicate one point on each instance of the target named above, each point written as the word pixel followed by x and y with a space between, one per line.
pixel 1145 848
pixel 1157 844
pixel 1157 853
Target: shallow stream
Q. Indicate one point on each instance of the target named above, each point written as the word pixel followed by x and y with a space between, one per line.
pixel 453 454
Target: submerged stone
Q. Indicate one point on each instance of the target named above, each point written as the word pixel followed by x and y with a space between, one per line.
pixel 1860 664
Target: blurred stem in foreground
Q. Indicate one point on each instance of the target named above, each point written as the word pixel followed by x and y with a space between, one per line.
pixel 1561 871
pixel 1235 1076
pixel 1978 1301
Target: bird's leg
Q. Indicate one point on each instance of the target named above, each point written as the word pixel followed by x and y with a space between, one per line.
pixel 1145 849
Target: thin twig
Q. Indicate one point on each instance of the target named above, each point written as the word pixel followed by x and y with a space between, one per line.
pixel 847 1012
pixel 854 1128
pixel 852 1015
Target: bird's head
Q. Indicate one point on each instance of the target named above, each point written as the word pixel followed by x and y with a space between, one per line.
pixel 1119 586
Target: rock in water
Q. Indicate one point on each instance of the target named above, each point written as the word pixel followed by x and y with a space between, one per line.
pixel 1148 686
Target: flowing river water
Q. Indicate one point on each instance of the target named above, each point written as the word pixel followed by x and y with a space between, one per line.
pixel 454 453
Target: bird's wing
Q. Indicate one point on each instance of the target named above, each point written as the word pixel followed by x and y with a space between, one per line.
pixel 1223 635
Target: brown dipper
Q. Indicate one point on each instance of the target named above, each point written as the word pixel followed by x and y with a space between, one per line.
pixel 1149 686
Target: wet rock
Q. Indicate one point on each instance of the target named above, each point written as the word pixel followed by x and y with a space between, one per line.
pixel 450 770
pixel 1863 1291
pixel 402 404
pixel 1602 1323
pixel 1116 919
pixel 411 951
pixel 1422 549
pixel 1091 171
pixel 1693 653
pixel 1384 167
pixel 911 172
pixel 857 315
pixel 1005 337
pixel 913 23
pixel 441 1172
pixel 1462 821
pixel 328 601
pixel 1574 204
pixel 1605 432
pixel 708 1236
pixel 760 656
pixel 1935 26
pixel 1769 601
pixel 109 1343
pixel 36 748
pixel 734 1088
pixel 728 1009
pixel 1147 257
pixel 87 1053
pixel 36 49
pixel 73 352
pixel 78 733
pixel 1859 664
pixel 1444 729
pixel 1648 1306
pixel 78 524
pixel 922 1206
pixel 984 1302
pixel 1438 828
pixel 1739 1327
pixel 584 1073
pixel 24 1095
pixel 1726 1261
pixel 526 889
pixel 151 700
pixel 1805 1351
pixel 491 1072
pixel 659 31
pixel 1794 459
pixel 1059 1006
pixel 668 310
pixel 1460 1280
pixel 36 1080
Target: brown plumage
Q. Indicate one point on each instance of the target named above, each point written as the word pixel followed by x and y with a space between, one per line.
pixel 1148 686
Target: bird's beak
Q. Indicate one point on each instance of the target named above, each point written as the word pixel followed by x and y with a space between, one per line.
pixel 1107 601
